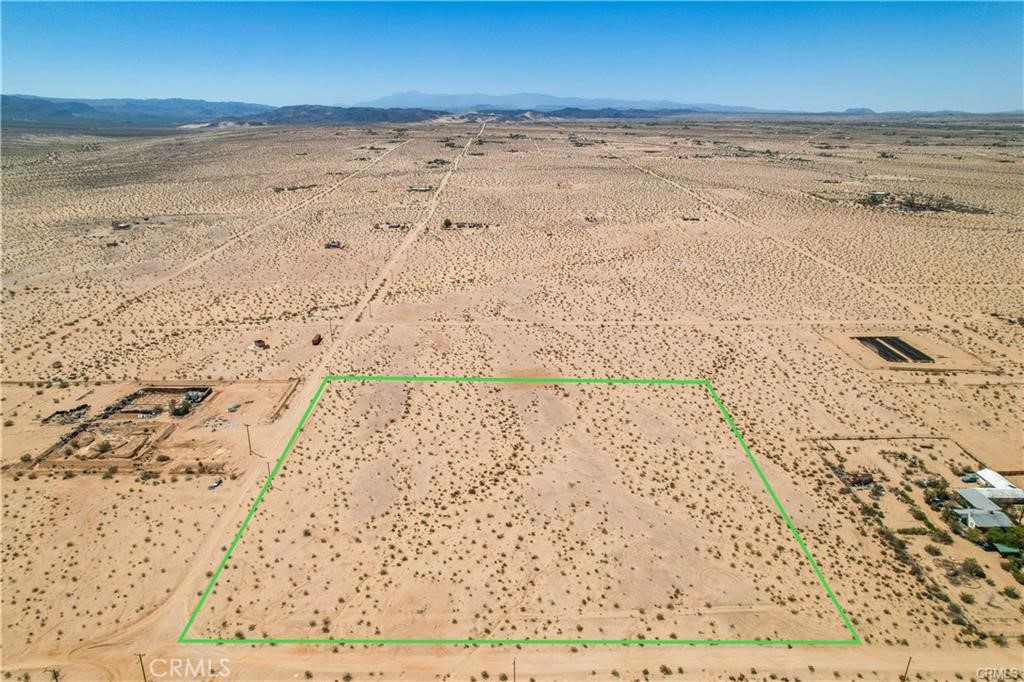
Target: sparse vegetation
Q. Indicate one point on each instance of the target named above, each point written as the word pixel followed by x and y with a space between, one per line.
pixel 589 511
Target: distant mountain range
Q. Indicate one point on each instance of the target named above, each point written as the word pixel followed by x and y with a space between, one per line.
pixel 163 111
pixel 539 102
pixel 579 113
pixel 406 107
pixel 315 114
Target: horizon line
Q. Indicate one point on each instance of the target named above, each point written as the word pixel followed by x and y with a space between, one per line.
pixel 849 111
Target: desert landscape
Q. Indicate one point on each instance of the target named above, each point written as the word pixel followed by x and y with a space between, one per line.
pixel 179 482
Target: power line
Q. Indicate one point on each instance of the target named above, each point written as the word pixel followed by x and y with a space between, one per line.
pixel 143 666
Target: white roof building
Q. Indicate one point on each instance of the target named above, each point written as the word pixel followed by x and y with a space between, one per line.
pixel 998 488
pixel 1005 495
pixel 974 518
pixel 995 479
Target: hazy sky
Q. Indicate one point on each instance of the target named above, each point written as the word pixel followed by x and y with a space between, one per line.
pixel 795 55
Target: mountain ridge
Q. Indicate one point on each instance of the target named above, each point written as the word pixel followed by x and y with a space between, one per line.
pixel 166 110
pixel 202 113
pixel 460 103
pixel 317 114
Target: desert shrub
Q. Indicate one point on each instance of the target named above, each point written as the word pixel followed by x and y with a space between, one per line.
pixel 972 568
pixel 1007 536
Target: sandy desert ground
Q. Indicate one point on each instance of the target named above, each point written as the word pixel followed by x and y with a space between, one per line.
pixel 747 252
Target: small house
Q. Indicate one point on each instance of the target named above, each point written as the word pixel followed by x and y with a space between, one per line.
pixel 976 518
pixel 981 512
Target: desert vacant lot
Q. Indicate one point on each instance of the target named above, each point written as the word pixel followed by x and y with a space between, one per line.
pixel 518 511
pixel 751 253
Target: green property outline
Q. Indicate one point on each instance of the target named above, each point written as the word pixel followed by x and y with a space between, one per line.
pixel 854 640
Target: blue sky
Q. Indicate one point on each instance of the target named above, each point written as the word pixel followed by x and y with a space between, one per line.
pixel 793 55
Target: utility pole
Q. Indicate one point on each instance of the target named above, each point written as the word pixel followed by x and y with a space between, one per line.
pixel 513 670
pixel 906 673
pixel 248 440
pixel 143 666
pixel 54 673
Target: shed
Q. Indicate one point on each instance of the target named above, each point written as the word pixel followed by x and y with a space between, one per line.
pixel 197 395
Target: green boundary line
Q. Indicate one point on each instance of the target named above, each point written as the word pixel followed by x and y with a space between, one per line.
pixel 854 640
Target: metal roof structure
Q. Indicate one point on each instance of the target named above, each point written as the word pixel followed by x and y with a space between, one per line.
pixel 974 518
pixel 1010 495
pixel 977 499
pixel 995 479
